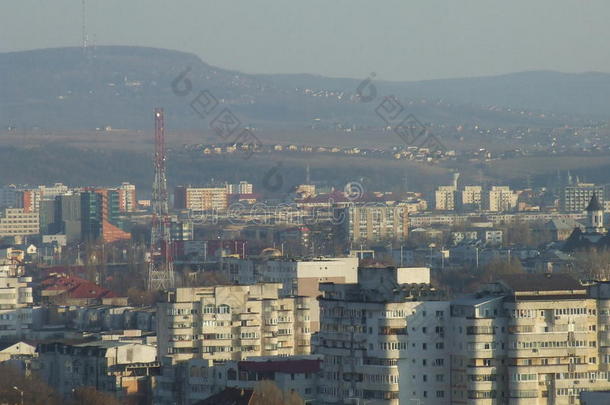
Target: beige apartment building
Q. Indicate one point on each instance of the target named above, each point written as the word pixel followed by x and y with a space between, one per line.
pixel 19 222
pixel 500 198
pixel 532 339
pixel 444 198
pixel 299 277
pixel 232 323
pixel 201 198
pixel 472 197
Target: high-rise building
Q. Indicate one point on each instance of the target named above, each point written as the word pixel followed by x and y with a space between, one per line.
pixel 9 197
pixel 299 277
pixel 16 301
pixel 127 197
pixel 243 187
pixel 530 339
pixel 383 340
pixel 201 198
pixel 472 197
pixel 499 198
pixel 30 200
pixel 576 197
pixel 232 323
pixel 445 198
pixel 363 223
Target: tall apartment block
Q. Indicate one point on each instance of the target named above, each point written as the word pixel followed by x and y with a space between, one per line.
pixel 201 198
pixel 243 187
pixel 499 198
pixel 16 302
pixel 299 277
pixel 383 340
pixel 445 198
pixel 232 322
pixel 530 339
pixel 576 197
pixel 127 197
pixel 472 197
pixel 363 223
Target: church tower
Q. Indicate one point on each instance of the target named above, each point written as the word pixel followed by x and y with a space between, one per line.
pixel 595 215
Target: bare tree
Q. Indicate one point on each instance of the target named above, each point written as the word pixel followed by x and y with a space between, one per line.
pixel 593 264
pixel 91 396
pixel 17 388
pixel 267 393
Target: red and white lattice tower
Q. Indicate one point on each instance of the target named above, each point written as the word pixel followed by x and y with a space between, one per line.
pixel 160 266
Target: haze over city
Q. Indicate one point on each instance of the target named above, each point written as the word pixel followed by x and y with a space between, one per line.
pixel 399 40
pixel 289 203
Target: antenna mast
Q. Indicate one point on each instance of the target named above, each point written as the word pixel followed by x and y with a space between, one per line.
pixel 84 27
pixel 161 266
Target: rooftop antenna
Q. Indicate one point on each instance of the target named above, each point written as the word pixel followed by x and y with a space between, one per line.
pixel 84 27
pixel 307 175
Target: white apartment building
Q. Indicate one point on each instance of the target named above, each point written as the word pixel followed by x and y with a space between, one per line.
pixel 383 340
pixel 576 197
pixel 373 222
pixel 444 198
pixel 232 323
pixel 18 222
pixel 298 277
pixel 243 187
pixel 16 302
pixel 50 192
pixel 500 198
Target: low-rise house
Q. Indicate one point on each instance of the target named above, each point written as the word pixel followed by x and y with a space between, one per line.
pixel 119 368
pixel 204 379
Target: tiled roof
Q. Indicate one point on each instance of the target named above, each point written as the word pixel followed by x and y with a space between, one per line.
pixel 76 287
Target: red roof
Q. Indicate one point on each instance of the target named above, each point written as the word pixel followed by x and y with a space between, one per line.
pixel 76 287
pixel 282 366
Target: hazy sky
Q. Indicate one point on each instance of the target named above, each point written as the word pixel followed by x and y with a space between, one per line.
pixel 397 39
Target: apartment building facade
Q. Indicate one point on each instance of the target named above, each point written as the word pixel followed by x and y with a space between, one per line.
pixel 16 302
pixel 374 222
pixel 499 199
pixel 298 277
pixel 201 198
pixel 445 198
pixel 383 340
pixel 576 197
pixel 128 201
pixel 472 197
pixel 243 187
pixel 232 323
pixel 119 368
pixel 199 379
pixel 19 222
pixel 530 339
